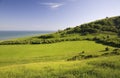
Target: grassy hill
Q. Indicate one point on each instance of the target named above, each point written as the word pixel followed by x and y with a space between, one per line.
pixel 90 50
pixel 105 31
pixel 107 24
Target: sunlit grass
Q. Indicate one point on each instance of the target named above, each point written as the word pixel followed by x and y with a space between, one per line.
pixel 12 54
pixel 91 68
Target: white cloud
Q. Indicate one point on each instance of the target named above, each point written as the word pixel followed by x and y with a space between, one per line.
pixel 72 0
pixel 53 5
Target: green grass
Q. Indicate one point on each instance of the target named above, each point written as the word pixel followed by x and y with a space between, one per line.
pixel 103 67
pixel 15 54
pixel 49 61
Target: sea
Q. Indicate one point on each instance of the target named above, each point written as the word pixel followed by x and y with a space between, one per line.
pixel 5 35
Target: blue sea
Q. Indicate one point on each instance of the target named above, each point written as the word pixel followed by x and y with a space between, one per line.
pixel 4 35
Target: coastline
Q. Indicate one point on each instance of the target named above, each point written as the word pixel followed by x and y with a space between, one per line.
pixel 8 35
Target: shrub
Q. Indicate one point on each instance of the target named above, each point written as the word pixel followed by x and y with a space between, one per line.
pixel 107 49
pixel 46 36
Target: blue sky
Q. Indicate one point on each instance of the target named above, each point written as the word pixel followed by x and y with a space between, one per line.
pixel 53 14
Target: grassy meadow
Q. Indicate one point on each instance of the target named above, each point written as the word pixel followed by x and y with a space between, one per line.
pixel 16 54
pixel 105 67
pixel 50 61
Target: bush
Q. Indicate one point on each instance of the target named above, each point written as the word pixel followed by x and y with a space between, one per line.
pixel 107 49
pixel 46 36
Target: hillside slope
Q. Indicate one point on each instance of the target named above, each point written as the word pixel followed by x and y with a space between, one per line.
pixel 104 25
pixel 105 31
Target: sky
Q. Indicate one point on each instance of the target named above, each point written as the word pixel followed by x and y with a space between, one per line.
pixel 53 14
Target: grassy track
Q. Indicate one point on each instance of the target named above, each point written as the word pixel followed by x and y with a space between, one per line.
pixel 16 54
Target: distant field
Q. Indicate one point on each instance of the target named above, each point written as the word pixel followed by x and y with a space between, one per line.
pixel 16 54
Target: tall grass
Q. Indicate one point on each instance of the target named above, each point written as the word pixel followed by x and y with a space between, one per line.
pixel 91 68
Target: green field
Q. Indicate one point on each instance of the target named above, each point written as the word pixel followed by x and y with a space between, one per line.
pixel 50 61
pixel 105 67
pixel 15 54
